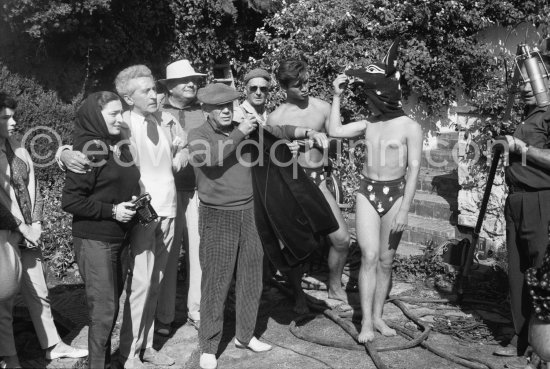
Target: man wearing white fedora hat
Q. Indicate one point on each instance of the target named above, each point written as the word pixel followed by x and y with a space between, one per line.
pixel 180 100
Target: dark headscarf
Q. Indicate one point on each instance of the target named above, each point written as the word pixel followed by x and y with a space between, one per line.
pixel 90 126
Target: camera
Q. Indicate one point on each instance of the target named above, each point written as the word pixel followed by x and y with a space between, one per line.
pixel 145 213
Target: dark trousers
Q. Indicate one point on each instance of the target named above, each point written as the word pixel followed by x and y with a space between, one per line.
pixel 100 265
pixel 527 220
pixel 229 240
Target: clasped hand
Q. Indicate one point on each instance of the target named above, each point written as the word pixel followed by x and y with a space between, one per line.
pixel 125 211
pixel 248 125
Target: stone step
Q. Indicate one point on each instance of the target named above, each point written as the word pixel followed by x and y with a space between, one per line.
pixel 440 159
pixel 410 248
pixel 431 205
pixel 422 230
pixel 439 182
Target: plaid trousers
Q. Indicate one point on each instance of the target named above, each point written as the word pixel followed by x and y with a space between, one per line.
pixel 229 241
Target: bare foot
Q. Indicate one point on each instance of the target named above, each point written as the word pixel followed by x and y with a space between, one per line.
pixel 300 306
pixel 383 328
pixel 337 294
pixel 367 333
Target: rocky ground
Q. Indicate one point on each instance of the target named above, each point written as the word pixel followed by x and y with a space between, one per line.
pixel 471 330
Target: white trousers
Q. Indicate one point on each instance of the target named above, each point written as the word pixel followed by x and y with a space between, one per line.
pixel 35 295
pixel 186 233
pixel 149 250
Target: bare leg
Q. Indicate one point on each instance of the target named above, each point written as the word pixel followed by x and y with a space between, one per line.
pixel 300 300
pixel 368 230
pixel 339 248
pixel 388 245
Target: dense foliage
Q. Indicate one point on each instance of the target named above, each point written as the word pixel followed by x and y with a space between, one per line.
pixel 441 56
pixel 84 43
pixel 68 48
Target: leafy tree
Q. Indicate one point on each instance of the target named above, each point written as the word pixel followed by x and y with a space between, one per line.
pixel 78 46
pixel 67 48
pixel 440 55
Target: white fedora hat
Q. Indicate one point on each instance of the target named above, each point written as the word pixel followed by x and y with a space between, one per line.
pixel 180 69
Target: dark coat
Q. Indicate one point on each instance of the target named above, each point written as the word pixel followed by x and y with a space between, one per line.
pixel 288 206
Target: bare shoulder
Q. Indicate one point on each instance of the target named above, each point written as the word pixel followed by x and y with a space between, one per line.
pixel 319 104
pixel 274 117
pixel 410 126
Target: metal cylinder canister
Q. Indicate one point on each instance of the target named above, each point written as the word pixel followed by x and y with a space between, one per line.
pixel 538 80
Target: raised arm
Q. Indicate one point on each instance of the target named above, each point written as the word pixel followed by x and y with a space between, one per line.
pixel 204 150
pixel 335 128
pixel 290 132
pixel 180 157
pixel 535 155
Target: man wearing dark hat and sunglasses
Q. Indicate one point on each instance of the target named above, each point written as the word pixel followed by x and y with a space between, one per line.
pixel 257 83
pixel 221 156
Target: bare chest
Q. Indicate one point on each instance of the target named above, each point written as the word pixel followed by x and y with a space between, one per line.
pixel 310 118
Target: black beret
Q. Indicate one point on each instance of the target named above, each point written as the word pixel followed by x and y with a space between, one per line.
pixel 217 94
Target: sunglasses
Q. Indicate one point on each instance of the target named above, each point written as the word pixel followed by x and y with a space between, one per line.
pixel 255 88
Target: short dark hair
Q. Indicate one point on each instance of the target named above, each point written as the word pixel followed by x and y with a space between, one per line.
pixel 290 70
pixel 7 101
pixel 105 97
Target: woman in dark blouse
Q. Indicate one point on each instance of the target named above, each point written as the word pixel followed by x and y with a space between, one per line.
pixel 100 201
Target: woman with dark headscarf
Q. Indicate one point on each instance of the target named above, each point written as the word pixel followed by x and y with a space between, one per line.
pixel 100 201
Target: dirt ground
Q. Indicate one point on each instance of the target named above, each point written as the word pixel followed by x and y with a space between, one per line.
pixel 275 316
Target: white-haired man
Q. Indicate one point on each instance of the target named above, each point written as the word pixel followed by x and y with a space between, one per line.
pixel 156 140
pixel 157 154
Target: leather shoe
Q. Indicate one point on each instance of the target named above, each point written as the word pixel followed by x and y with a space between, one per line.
pixel 254 345
pixel 62 350
pixel 507 351
pixel 150 355
pixel 195 323
pixel 208 361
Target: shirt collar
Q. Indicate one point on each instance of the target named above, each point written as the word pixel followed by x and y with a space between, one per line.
pixel 166 104
pixel 137 118
pixel 250 109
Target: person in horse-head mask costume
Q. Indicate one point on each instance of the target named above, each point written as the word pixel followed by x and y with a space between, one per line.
pixel 394 147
